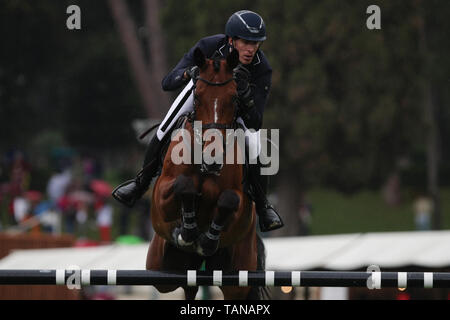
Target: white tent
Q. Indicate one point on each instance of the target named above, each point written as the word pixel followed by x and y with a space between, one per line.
pixel 334 252
pixel 430 249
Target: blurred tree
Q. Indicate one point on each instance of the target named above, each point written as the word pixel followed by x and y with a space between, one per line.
pixel 147 74
pixel 430 89
pixel 156 50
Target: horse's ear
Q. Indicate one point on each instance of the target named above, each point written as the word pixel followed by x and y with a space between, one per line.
pixel 199 57
pixel 233 59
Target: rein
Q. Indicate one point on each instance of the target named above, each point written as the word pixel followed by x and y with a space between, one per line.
pixel 215 83
pixel 215 125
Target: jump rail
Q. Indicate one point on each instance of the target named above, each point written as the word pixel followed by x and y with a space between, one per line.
pixel 219 278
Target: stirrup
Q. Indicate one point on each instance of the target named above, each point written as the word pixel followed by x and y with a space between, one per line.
pixel 275 222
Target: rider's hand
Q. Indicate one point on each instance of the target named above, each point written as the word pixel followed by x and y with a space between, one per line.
pixel 191 73
pixel 244 91
pixel 242 76
pixel 246 100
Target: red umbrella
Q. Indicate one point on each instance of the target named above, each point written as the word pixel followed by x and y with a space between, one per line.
pixel 101 188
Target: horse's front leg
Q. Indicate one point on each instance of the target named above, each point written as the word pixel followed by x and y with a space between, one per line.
pixel 208 242
pixel 184 189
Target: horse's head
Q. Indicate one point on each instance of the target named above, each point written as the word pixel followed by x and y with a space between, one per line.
pixel 215 103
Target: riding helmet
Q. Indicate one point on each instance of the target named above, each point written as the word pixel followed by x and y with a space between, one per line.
pixel 246 25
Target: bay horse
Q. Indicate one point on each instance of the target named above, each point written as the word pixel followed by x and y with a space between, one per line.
pixel 200 213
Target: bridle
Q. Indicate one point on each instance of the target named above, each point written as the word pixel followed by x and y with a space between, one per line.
pixel 198 134
pixel 215 125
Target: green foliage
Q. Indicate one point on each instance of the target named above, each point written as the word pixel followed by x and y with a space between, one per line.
pixel 334 212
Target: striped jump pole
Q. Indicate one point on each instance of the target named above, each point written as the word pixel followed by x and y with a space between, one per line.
pixel 221 278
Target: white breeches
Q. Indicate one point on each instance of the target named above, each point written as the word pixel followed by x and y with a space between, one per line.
pixel 185 103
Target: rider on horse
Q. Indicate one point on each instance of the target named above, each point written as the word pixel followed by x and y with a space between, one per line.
pixel 245 31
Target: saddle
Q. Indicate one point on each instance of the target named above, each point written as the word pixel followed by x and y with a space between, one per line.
pixel 167 139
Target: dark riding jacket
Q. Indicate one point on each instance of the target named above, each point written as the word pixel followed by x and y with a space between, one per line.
pixel 217 46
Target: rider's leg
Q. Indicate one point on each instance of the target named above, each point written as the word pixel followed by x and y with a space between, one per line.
pixel 268 218
pixel 132 190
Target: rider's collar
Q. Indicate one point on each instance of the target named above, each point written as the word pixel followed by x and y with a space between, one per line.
pixel 225 49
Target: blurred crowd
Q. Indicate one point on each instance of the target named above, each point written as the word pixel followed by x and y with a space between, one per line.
pixel 76 200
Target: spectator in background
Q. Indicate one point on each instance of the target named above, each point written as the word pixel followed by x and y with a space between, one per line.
pixel 391 190
pixel 3 199
pixel 57 188
pixel 68 210
pixel 82 218
pixel 104 212
pixel 19 175
pixel 305 217
pixel 423 208
pixel 19 178
pixel 58 184
pixel 50 220
pixel 21 209
pixel 92 170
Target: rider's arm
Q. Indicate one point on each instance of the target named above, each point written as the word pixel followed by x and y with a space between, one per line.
pixel 175 80
pixel 253 116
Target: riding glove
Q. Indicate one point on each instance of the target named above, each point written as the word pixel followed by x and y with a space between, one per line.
pixel 192 72
pixel 244 90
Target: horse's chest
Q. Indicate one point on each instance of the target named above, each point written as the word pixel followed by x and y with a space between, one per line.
pixel 210 191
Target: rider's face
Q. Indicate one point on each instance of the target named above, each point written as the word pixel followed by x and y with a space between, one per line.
pixel 247 49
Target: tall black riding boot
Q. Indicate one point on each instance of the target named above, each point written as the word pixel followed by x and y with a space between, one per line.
pixel 132 190
pixel 268 218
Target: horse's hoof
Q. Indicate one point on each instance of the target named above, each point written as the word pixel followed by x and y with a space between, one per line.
pixel 205 246
pixel 182 243
pixel 178 239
